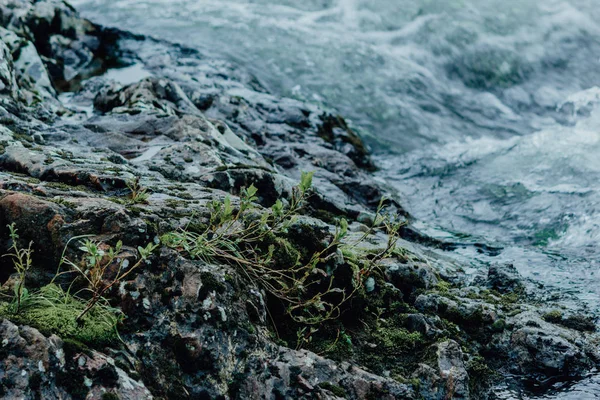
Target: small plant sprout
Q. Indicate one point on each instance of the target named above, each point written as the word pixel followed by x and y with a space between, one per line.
pixel 139 194
pixel 22 262
pixel 98 265
pixel 257 242
pixel 304 335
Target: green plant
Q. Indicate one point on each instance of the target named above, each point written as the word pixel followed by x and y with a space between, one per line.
pixel 98 268
pixel 256 242
pixel 139 194
pixel 54 311
pixel 22 262
pixel 304 335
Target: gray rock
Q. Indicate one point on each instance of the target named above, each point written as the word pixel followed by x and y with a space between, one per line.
pixel 8 81
pixel 31 363
pixel 543 349
pixel 410 275
pixel 423 324
pixel 504 278
pixel 445 377
pixel 470 312
pixel 31 73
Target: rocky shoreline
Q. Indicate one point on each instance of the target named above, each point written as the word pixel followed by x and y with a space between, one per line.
pixel 82 154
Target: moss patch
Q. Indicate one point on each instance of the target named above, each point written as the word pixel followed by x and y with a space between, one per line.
pixel 52 311
pixel 336 390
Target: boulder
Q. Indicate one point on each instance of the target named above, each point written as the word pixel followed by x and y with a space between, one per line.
pixel 34 366
pixel 410 275
pixel 504 278
pixel 445 376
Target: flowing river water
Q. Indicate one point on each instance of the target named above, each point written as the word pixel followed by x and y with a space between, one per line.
pixel 483 114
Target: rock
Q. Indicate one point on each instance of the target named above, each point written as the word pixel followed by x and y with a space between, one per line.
pixel 193 133
pixel 31 73
pixel 470 312
pixel 294 373
pixel 422 324
pixel 504 278
pixel 410 275
pixel 446 377
pixel 72 48
pixel 335 130
pixel 38 221
pixel 543 349
pixel 35 366
pixel 579 323
pixel 8 81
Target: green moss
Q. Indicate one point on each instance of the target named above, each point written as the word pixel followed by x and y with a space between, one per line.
pixel 499 325
pixel 63 202
pixel 53 311
pixel 442 286
pixel 479 373
pixel 286 255
pixel 172 203
pixel 553 316
pixel 66 187
pixel 135 211
pixel 249 328
pixel 110 396
pixel 210 283
pixel 113 169
pixel 394 338
pixel 25 139
pixel 414 382
pixel 509 301
pixel 385 297
pixel 338 347
pixel 336 390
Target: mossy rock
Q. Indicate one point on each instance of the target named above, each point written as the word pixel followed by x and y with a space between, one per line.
pixel 554 316
pixel 52 311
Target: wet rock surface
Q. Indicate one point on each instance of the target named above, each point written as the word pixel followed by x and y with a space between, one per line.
pixel 504 278
pixel 194 131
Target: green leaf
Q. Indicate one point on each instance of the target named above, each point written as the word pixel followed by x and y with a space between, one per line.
pixel 343 228
pixel 251 191
pixel 13 231
pixel 277 208
pixel 306 181
pixel 146 251
pixel 227 209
